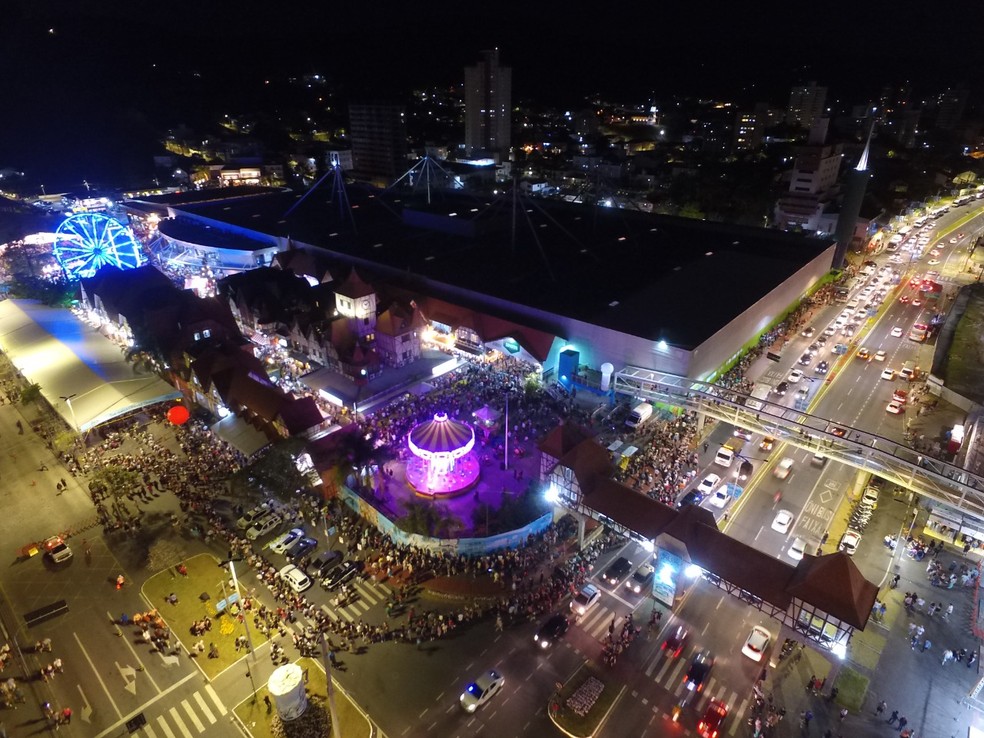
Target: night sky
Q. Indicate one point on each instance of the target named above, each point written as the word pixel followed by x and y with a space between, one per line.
pixel 89 97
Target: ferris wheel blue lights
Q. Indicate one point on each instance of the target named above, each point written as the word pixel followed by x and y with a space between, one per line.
pixel 86 241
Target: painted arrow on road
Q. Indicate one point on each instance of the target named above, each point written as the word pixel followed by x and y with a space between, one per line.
pixel 86 707
pixel 169 660
pixel 129 675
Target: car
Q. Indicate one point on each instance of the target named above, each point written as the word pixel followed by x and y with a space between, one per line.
pixel 870 497
pixel 757 643
pixel 617 571
pixel 794 376
pixel 896 259
pixel 915 281
pixel 934 252
pixel 263 525
pixel 900 395
pixel 720 498
pixel 57 550
pixel 280 544
pixel 324 562
pixel 808 332
pixel 781 388
pixel 864 354
pixel 822 368
pixel 742 433
pixel 693 497
pixel 896 332
pixel 251 516
pixel 960 235
pixel 888 374
pixel 895 407
pixel 744 471
pixel 917 302
pixel 840 349
pixel 585 599
pixel 880 355
pixel 641 579
pixel 700 669
pixel 829 331
pixel 476 694
pixel 551 631
pixel 783 468
pixel 806 358
pixel 708 483
pixel 710 725
pixel 931 262
pixel 301 548
pixel 675 641
pixel 821 341
pixel 954 239
pixel 767 444
pixel 848 331
pixel 838 431
pixel 797 549
pixel 849 542
pixel 340 574
pixel 783 521
pixel 802 393
pixel 295 578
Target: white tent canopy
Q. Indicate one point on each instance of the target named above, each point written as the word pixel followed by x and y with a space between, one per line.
pixel 69 359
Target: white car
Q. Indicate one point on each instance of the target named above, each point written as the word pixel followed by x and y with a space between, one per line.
pixel 297 579
pixel 783 468
pixel 585 599
pixel 849 542
pixel 481 690
pixel 284 541
pixel 880 355
pixel 888 374
pixel 721 498
pixel 870 497
pixel 797 549
pixel 57 550
pixel 795 376
pixel 783 521
pixel 251 516
pixel 895 407
pixel 708 483
pixel 264 525
pixel 896 332
pixel 757 643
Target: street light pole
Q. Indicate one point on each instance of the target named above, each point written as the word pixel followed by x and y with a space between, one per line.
pixel 249 637
pixel 331 689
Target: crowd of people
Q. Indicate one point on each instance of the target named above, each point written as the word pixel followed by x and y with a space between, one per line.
pixel 667 462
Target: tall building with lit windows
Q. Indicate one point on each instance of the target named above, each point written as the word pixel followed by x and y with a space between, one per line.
pixel 488 103
pixel 806 104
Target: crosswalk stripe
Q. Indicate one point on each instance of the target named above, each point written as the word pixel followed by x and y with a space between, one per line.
pixel 599 614
pixel 193 716
pixel 666 665
pixel 737 716
pixel 149 731
pixel 674 678
pixel 387 591
pixel 600 627
pixel 180 723
pixel 201 703
pixel 210 691
pixel 164 726
pixel 360 604
pixel 652 664
pixel 345 615
pixel 329 612
pixel 367 592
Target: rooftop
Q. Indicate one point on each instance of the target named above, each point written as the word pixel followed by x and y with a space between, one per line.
pixel 630 272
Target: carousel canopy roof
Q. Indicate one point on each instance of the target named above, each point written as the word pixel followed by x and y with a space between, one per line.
pixel 442 434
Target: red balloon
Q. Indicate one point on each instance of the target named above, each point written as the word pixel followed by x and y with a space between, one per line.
pixel 178 415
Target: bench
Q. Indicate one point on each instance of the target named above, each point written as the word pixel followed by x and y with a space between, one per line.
pixel 42 614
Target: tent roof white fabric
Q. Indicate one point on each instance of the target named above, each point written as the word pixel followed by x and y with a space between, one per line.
pixel 240 435
pixel 70 359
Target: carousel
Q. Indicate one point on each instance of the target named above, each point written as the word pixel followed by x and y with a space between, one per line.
pixel 444 462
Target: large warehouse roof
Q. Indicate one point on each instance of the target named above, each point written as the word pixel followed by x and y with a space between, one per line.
pixel 655 277
pixel 67 358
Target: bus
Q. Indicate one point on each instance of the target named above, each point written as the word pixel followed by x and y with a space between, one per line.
pixel 918 332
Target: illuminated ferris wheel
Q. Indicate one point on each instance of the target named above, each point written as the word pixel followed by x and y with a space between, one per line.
pixel 86 241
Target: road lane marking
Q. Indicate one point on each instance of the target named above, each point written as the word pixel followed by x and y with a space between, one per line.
pixel 143 668
pixel 193 716
pixel 149 731
pixel 98 676
pixel 210 691
pixel 165 727
pixel 180 723
pixel 204 708
pixel 113 729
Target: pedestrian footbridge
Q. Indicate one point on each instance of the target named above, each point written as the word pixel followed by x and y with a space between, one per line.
pixel 931 478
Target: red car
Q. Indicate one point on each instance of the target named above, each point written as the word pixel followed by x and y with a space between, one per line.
pixel 674 643
pixel 904 299
pixel 710 725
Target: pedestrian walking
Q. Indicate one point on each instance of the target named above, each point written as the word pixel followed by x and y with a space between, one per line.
pixel 66 716
pixel 895 581
pixel 266 701
pixel 893 717
pixel 927 644
pixel 903 722
pixel 843 714
pixel 948 613
pixel 882 706
pixel 947 656
pixel 912 629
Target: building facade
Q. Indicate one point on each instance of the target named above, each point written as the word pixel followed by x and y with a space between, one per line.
pixel 488 106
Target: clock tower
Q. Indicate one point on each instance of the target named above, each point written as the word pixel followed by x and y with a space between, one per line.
pixel 356 301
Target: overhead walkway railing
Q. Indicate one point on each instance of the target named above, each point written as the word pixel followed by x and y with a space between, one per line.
pixel 931 478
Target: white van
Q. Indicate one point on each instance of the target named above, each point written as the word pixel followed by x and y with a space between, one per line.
pixel 639 415
pixel 908 370
pixel 724 456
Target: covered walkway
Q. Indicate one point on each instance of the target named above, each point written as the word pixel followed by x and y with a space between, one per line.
pixel 82 374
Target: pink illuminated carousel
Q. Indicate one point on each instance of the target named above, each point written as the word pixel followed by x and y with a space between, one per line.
pixel 444 462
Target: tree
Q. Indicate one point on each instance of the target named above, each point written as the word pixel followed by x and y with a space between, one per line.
pixel 273 472
pixel 115 480
pixel 163 554
pixel 428 519
pixel 30 393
